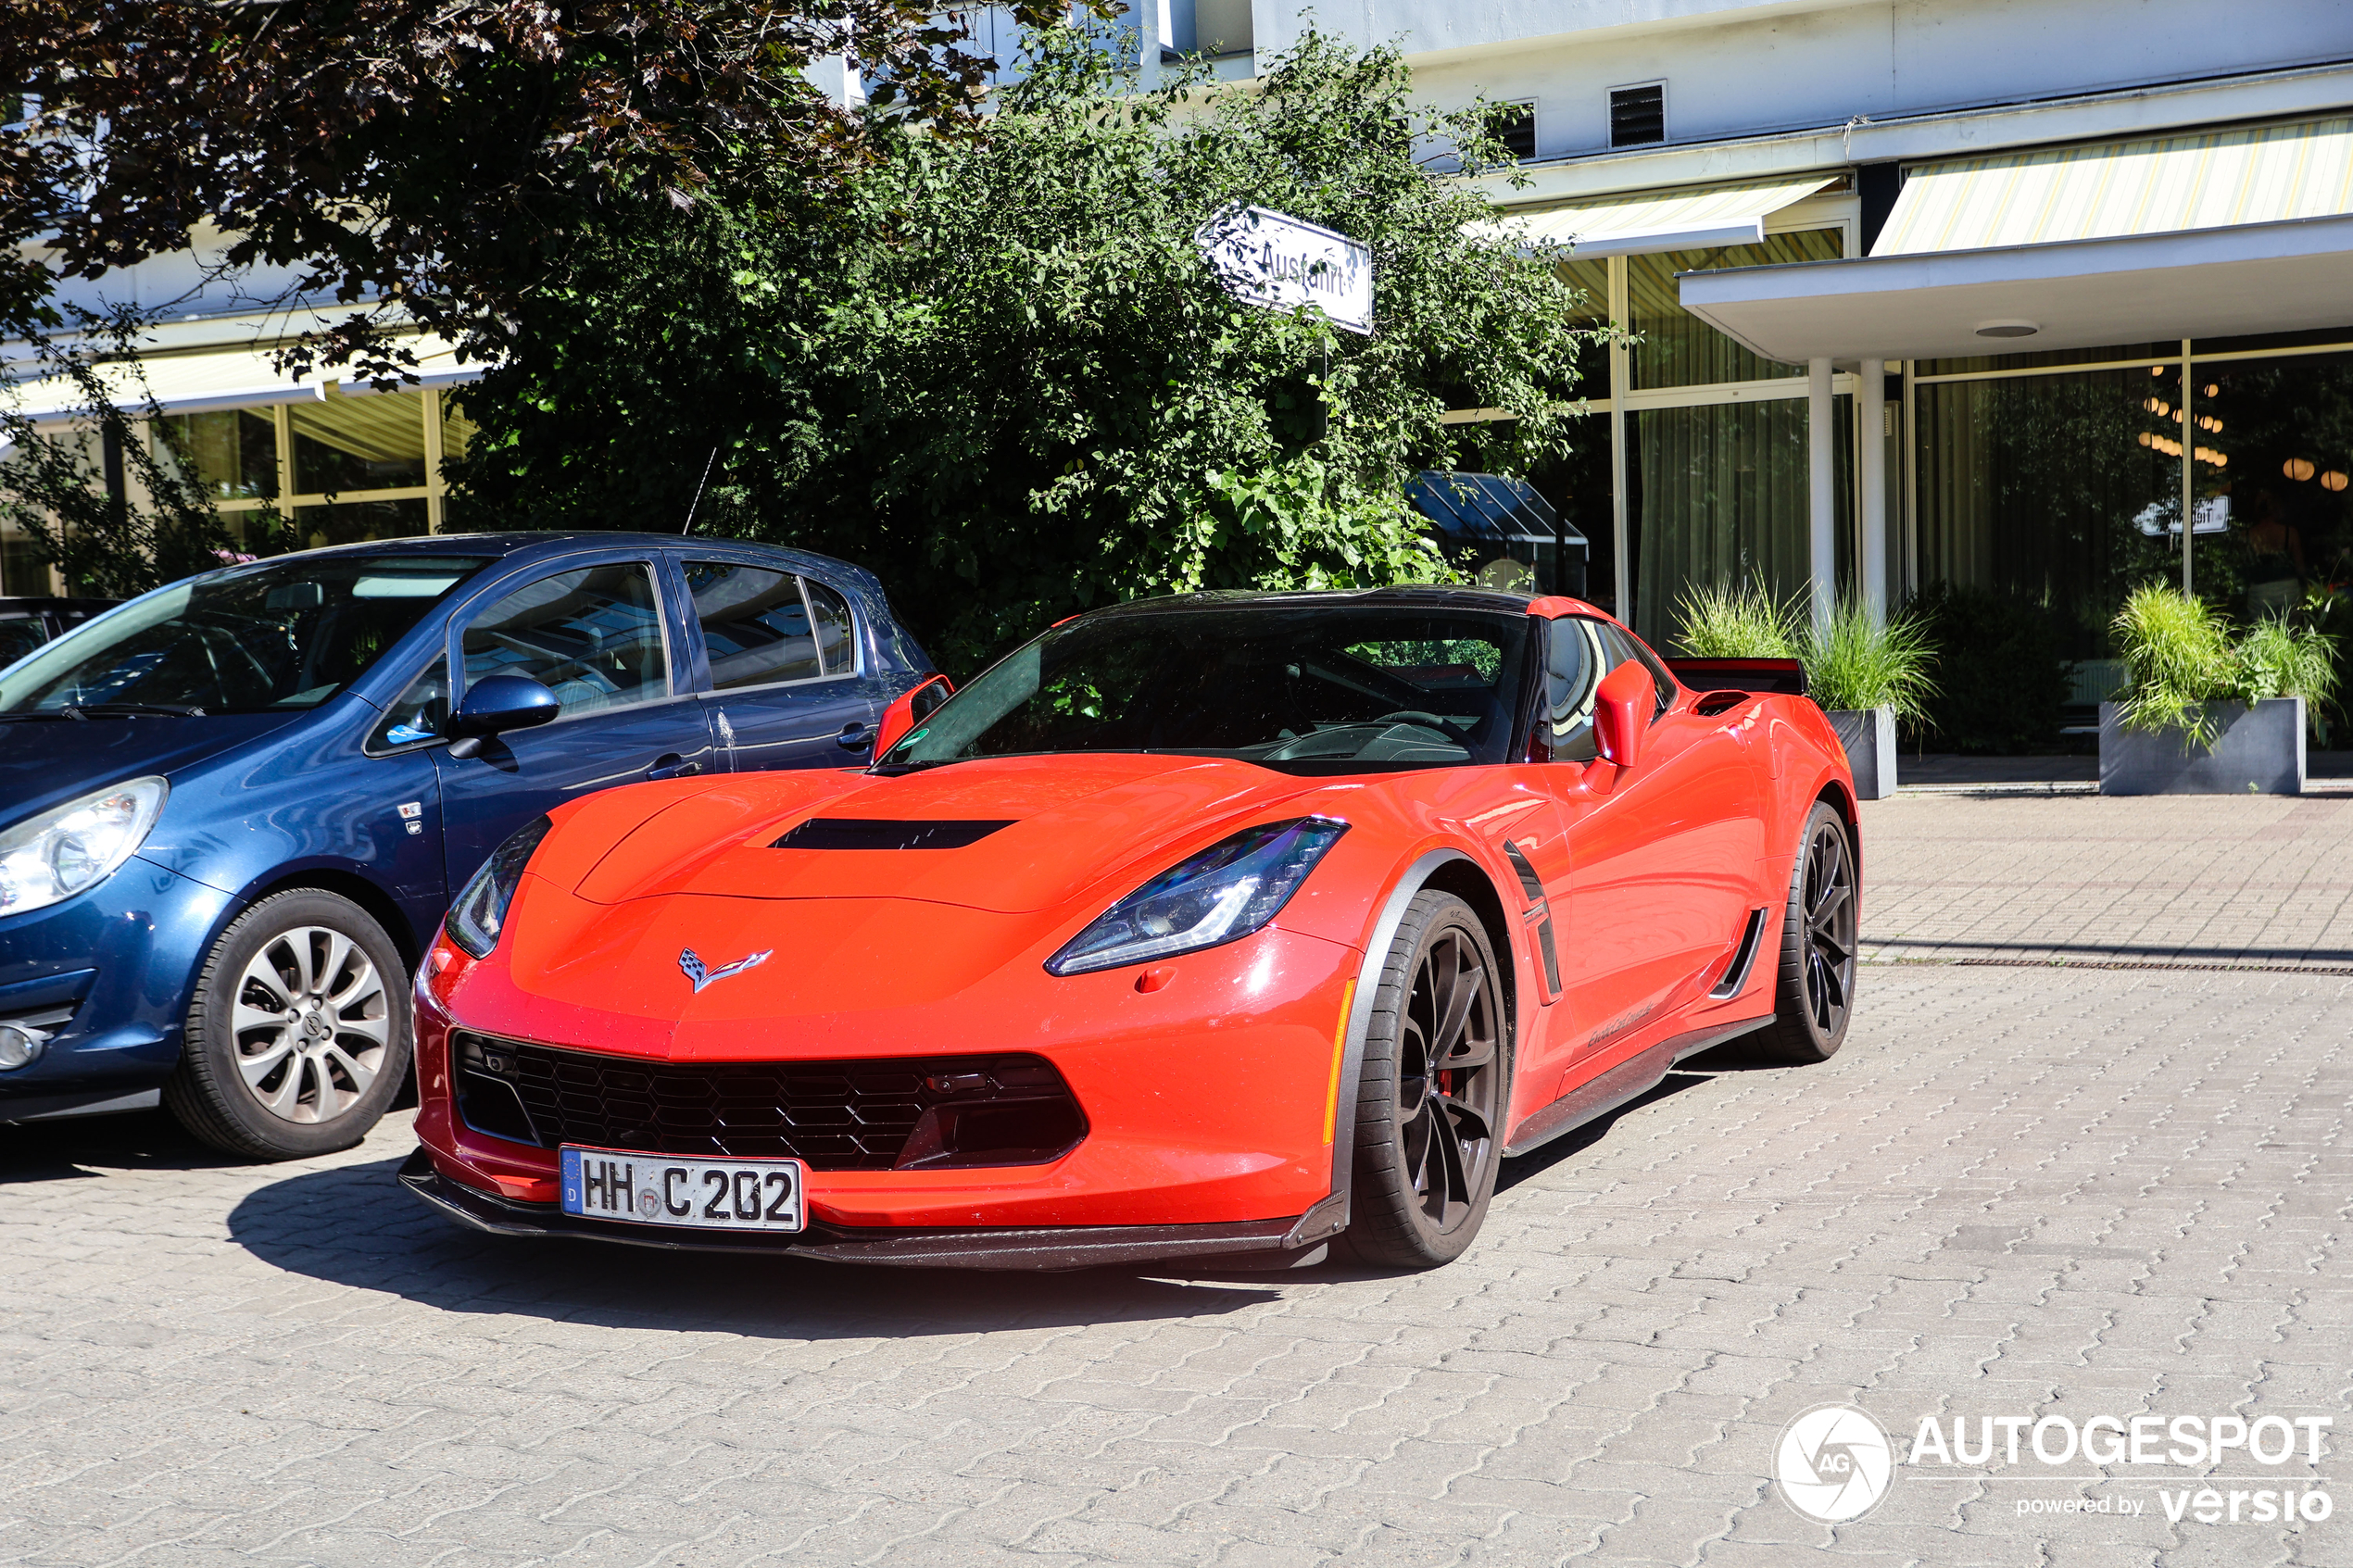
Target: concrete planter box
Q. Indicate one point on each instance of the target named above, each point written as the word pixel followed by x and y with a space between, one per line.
pixel 1869 734
pixel 2260 751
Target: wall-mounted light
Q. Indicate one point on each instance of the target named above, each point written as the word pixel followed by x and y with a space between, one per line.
pixel 2297 469
pixel 2008 329
pixel 2333 480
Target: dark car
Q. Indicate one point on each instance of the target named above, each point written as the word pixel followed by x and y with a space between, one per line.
pixel 236 808
pixel 25 624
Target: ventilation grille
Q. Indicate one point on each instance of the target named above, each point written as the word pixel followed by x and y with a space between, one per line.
pixel 860 1115
pixel 1637 115
pixel 1514 126
pixel 861 833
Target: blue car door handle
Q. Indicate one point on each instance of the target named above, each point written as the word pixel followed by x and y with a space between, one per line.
pixel 854 737
pixel 670 765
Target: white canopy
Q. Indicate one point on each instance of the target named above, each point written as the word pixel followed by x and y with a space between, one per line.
pixel 1689 220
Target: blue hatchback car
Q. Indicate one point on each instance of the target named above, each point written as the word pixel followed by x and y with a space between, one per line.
pixel 233 810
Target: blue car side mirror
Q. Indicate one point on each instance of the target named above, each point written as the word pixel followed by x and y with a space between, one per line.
pixel 495 705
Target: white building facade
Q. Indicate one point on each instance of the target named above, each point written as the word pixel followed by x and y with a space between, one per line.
pixel 1986 292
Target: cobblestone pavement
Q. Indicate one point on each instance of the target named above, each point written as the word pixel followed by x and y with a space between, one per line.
pixel 2261 880
pixel 2018 1192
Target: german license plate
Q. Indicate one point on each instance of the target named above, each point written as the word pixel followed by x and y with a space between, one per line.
pixel 711 1195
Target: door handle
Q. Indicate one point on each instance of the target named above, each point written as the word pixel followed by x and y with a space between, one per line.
pixel 670 765
pixel 854 737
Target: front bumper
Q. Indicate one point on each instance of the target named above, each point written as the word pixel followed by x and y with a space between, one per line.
pixel 120 958
pixel 1254 1244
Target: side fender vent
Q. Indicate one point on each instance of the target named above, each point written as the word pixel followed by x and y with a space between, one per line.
pixel 1743 960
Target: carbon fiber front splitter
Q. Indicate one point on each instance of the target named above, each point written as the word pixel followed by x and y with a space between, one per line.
pixel 1251 1244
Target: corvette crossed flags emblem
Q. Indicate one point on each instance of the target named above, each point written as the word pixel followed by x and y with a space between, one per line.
pixel 692 963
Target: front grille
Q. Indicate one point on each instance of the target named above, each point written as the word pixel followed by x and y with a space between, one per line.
pixel 858 1116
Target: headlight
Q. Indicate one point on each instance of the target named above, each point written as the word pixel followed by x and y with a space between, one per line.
pixel 481 910
pixel 1221 895
pixel 78 844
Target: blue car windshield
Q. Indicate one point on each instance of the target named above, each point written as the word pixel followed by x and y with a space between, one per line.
pixel 1341 687
pixel 274 636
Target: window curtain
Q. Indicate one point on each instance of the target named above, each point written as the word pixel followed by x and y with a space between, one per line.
pixel 1722 502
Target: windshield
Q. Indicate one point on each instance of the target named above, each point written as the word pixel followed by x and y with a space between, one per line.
pixel 279 635
pixel 1304 688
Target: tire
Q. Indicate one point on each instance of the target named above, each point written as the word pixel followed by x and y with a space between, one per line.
pixel 1426 1148
pixel 298 1035
pixel 1814 999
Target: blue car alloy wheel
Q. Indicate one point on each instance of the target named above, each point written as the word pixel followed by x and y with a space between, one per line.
pixel 298 1035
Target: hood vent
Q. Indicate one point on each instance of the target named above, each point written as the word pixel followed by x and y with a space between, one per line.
pixel 865 833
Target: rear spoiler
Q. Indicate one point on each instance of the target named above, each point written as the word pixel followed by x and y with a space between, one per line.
pixel 1782 675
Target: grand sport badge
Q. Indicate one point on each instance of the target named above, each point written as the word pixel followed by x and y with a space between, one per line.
pixel 1833 1464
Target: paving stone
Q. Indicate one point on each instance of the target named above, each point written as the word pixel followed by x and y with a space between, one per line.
pixel 2021 1190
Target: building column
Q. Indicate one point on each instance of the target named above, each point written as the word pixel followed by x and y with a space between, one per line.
pixel 1870 476
pixel 1821 487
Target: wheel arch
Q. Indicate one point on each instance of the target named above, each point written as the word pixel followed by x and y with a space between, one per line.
pixel 1453 871
pixel 1840 798
pixel 343 884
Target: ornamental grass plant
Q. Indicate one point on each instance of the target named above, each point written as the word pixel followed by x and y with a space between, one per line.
pixel 1854 662
pixel 1724 621
pixel 2181 659
pixel 1851 662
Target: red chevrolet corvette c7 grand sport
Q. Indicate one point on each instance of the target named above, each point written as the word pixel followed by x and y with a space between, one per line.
pixel 1211 927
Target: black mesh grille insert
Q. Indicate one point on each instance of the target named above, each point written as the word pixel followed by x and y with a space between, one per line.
pixel 854 1115
pixel 861 833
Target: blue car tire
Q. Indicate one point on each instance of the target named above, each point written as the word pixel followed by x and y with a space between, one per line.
pixel 298 1035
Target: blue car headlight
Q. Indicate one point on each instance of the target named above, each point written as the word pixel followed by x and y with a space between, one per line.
pixel 78 844
pixel 480 912
pixel 1219 895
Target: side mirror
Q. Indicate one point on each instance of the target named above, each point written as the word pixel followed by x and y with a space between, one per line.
pixel 910 709
pixel 497 704
pixel 1622 712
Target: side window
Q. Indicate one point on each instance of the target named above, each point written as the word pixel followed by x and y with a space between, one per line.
pixel 754 625
pixel 836 631
pixel 1623 648
pixel 591 636
pixel 422 712
pixel 1574 665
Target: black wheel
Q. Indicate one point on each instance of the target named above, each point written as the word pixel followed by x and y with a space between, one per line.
pixel 1431 1094
pixel 298 1032
pixel 1816 995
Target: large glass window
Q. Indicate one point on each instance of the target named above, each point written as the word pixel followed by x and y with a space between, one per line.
pixel 591 636
pixel 1674 348
pixel 360 466
pixel 234 452
pixel 2062 490
pixel 1720 498
pixel 2273 442
pixel 364 442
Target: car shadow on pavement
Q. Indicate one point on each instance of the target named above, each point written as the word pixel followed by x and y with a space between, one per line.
pixel 80 1147
pixel 356 1225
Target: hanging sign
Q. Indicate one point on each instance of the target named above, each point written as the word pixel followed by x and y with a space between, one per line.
pixel 1269 258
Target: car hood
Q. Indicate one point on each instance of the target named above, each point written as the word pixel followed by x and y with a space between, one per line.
pixel 47 761
pixel 625 890
pixel 1009 835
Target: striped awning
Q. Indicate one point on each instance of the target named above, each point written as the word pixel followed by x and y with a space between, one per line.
pixel 2160 185
pixel 213 379
pixel 1689 219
